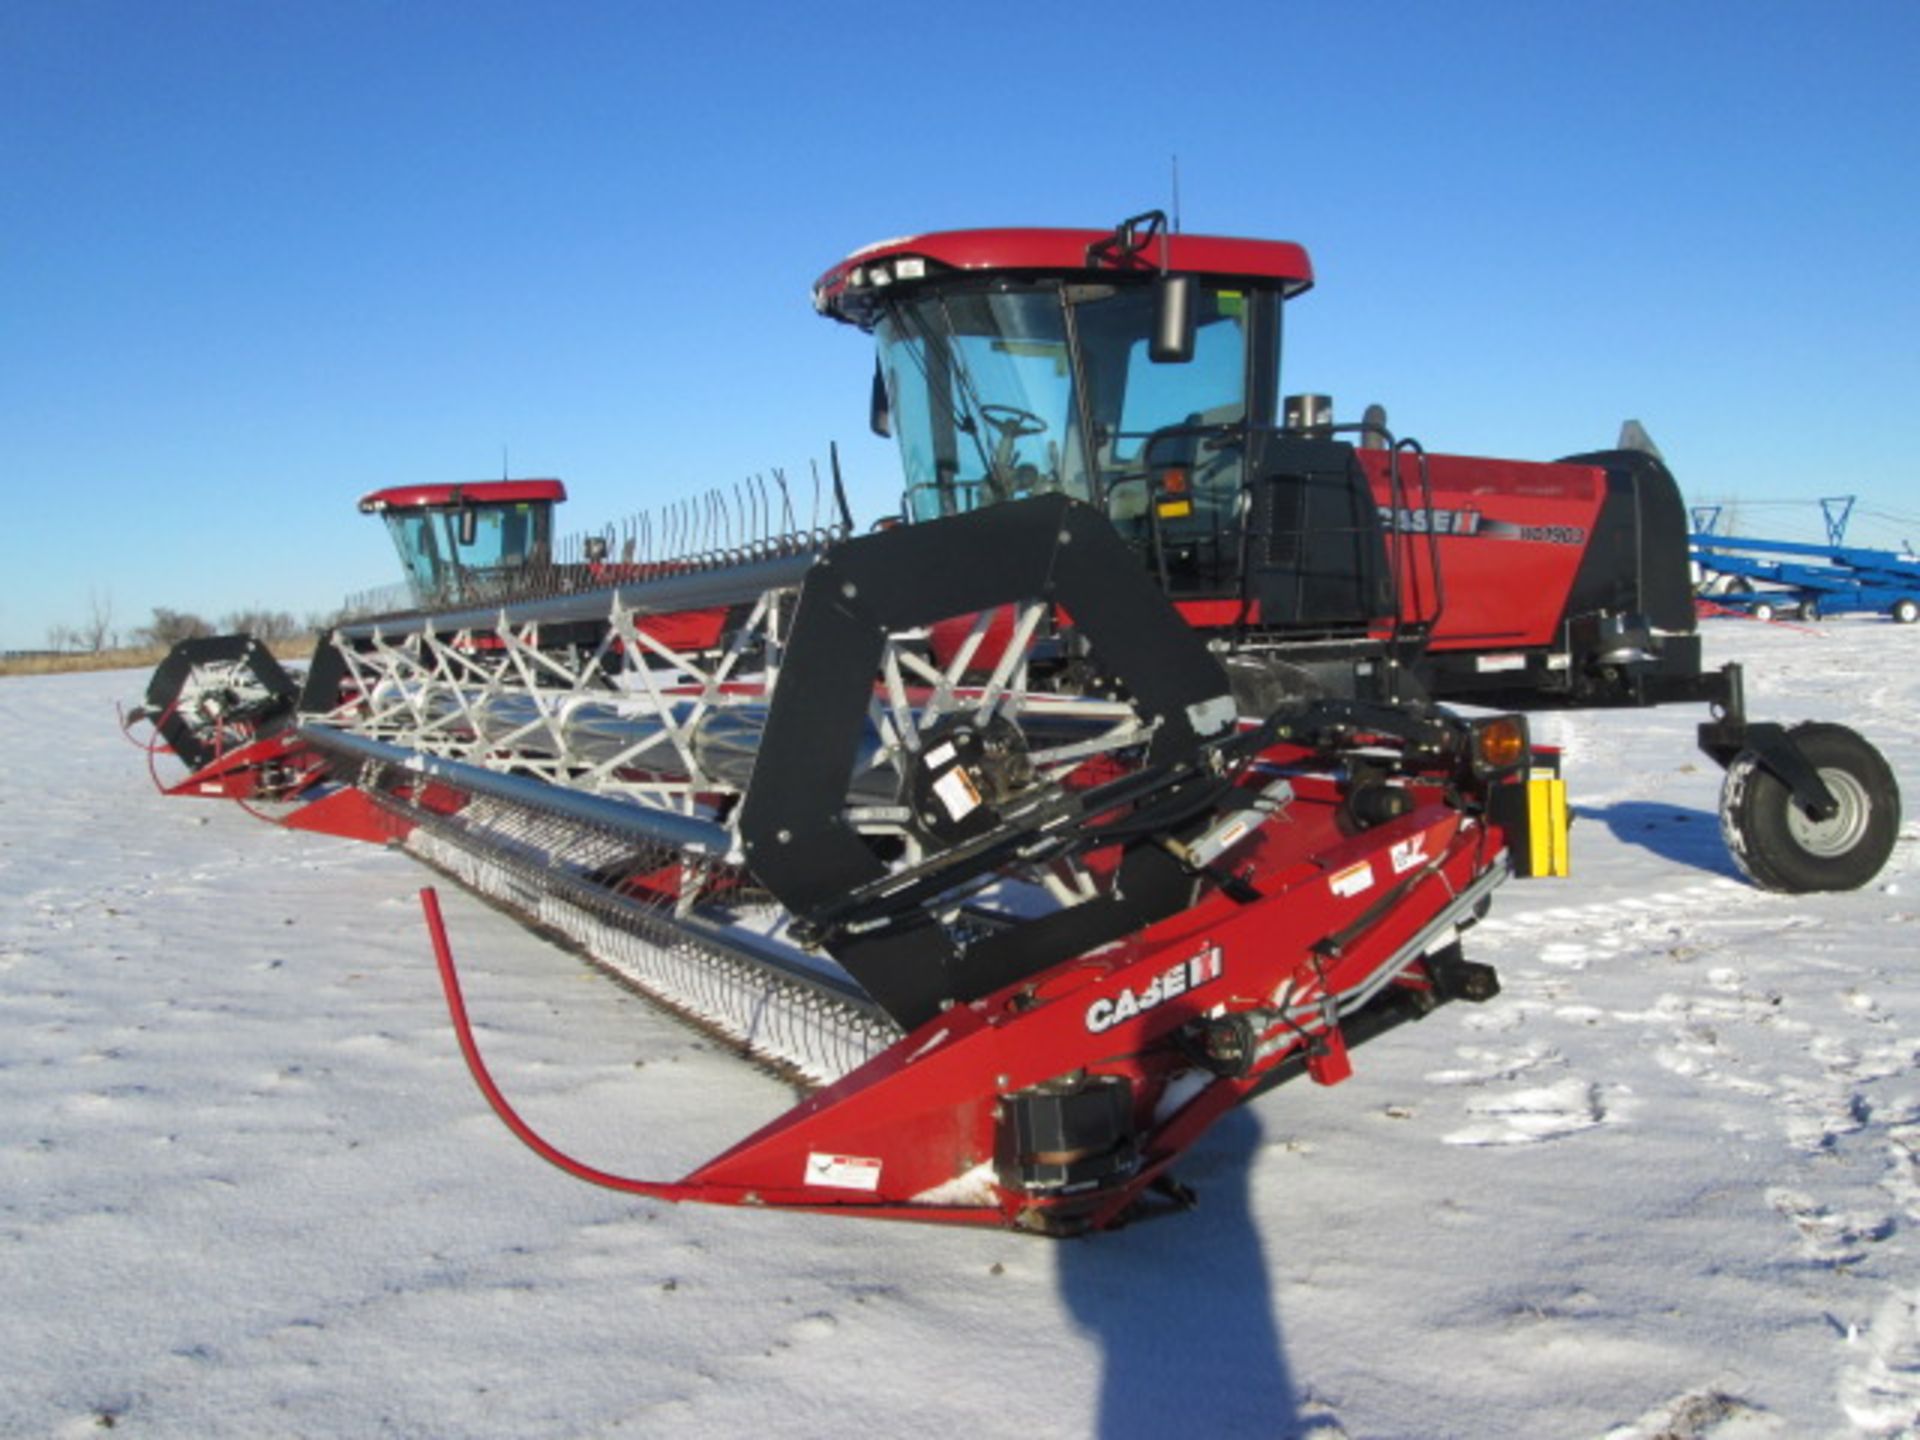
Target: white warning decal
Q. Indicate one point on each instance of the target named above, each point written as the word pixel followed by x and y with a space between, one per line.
pixel 843 1172
pixel 1351 881
pixel 957 792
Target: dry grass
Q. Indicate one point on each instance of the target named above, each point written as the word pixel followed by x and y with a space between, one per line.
pixel 128 659
pixel 136 657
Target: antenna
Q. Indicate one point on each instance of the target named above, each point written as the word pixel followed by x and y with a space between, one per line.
pixel 1176 194
pixel 505 473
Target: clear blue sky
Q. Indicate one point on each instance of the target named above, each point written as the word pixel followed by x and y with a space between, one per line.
pixel 258 258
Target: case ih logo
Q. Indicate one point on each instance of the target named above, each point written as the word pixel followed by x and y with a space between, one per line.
pixel 1473 523
pixel 1109 1011
pixel 1445 522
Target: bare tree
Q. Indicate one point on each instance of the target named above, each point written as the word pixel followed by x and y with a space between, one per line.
pixel 63 637
pixel 270 626
pixel 170 627
pixel 97 633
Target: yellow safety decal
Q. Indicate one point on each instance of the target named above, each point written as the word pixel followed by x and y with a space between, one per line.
pixel 1546 827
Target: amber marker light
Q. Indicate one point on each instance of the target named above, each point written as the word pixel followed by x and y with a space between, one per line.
pixel 1500 743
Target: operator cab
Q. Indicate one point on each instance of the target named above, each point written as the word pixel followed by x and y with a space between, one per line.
pixel 469 543
pixel 1137 371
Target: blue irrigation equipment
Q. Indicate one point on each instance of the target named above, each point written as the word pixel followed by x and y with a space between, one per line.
pixel 1811 579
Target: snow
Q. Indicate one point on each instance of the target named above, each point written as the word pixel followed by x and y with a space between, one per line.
pixel 1667 1184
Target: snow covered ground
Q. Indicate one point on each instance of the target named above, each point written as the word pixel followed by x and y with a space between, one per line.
pixel 1668 1184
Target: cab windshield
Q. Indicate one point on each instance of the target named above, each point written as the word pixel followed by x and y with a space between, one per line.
pixel 999 390
pixel 443 567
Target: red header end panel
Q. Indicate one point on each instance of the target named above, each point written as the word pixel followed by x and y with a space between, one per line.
pixel 1511 536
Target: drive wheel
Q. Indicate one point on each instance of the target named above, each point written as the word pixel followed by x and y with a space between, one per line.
pixel 1905 612
pixel 1810 610
pixel 1779 846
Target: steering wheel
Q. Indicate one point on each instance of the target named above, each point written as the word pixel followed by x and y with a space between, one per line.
pixel 1012 422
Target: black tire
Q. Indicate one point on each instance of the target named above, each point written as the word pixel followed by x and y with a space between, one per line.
pixel 1778 847
pixel 1905 612
pixel 1809 610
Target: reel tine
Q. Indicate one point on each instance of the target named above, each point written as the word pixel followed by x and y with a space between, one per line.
pixel 786 503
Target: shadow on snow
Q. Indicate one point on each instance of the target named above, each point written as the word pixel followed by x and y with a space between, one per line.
pixel 1673 832
pixel 1183 1310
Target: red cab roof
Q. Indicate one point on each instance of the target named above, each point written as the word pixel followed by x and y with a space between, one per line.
pixel 469 492
pixel 838 292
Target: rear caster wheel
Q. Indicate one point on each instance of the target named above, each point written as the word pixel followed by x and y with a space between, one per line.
pixel 1778 846
pixel 1905 612
pixel 1763 611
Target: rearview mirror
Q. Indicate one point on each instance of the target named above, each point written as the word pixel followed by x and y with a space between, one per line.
pixel 1172 341
pixel 469 526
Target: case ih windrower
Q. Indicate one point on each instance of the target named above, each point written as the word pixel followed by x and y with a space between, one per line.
pixel 1037 832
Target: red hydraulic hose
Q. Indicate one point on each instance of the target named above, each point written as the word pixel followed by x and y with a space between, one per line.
pixel 153 745
pixel 153 748
pixel 127 723
pixel 457 1008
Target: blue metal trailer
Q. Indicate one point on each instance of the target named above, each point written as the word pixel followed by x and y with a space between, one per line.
pixel 1812 580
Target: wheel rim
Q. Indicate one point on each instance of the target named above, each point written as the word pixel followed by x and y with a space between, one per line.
pixel 1838 835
